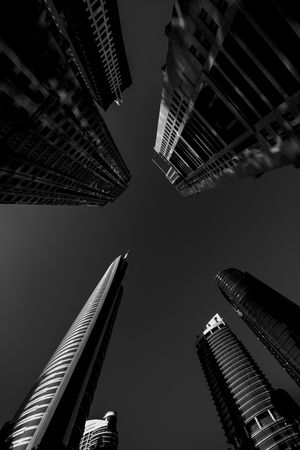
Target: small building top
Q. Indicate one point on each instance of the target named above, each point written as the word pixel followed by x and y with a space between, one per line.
pixel 216 321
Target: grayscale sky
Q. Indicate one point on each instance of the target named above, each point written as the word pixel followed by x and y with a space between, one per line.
pixel 51 258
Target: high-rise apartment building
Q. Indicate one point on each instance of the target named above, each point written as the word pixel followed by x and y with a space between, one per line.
pixel 92 30
pixel 54 413
pixel 230 103
pixel 100 433
pixel 243 396
pixel 55 146
pixel 272 317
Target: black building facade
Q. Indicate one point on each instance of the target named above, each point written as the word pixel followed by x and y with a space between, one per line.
pixel 54 413
pixel 246 403
pixel 230 104
pixel 272 317
pixel 55 146
pixel 92 29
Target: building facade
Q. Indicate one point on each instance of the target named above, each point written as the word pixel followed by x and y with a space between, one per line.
pixel 55 146
pixel 272 317
pixel 100 434
pixel 54 413
pixel 230 104
pixel 243 397
pixel 92 29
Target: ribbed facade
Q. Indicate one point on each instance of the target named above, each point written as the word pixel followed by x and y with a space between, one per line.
pixel 92 29
pixel 55 146
pixel 271 316
pixel 230 104
pixel 54 413
pixel 100 434
pixel 242 394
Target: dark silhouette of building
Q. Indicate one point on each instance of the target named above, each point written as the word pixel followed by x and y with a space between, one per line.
pixel 54 413
pixel 271 316
pixel 93 31
pixel 100 434
pixel 55 146
pixel 243 396
pixel 5 435
pixel 230 104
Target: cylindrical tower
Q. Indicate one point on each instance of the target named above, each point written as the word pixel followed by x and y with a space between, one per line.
pixel 101 434
pixel 271 316
pixel 242 394
pixel 54 413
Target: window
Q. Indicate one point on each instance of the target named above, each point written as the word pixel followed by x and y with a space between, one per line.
pixel 213 26
pixel 265 54
pixel 98 16
pixel 221 5
pixel 252 427
pixel 237 77
pixel 95 6
pixel 208 21
pixel 243 60
pixel 250 141
pixel 198 35
pixel 264 418
pixel 45 131
pixel 197 54
pixel 277 127
pixel 203 15
pixel 218 115
pixel 65 126
pixel 58 117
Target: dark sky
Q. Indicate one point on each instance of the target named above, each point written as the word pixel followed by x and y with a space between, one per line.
pixel 51 258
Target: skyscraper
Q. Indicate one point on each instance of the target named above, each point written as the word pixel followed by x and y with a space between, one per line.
pixel 230 103
pixel 271 316
pixel 55 146
pixel 92 30
pixel 242 394
pixel 100 434
pixel 53 414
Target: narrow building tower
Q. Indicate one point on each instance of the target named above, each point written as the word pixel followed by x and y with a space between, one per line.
pixel 271 316
pixel 53 415
pixel 243 396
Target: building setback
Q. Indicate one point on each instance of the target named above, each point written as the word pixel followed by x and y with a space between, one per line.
pixel 92 29
pixel 272 317
pixel 244 398
pixel 230 104
pixel 54 413
pixel 100 434
pixel 55 146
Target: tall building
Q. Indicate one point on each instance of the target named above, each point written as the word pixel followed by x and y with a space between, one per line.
pixel 92 30
pixel 247 405
pixel 100 434
pixel 272 317
pixel 53 414
pixel 55 146
pixel 230 104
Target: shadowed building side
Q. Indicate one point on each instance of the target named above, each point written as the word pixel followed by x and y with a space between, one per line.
pixel 54 413
pixel 242 394
pixel 230 104
pixel 272 317
pixel 92 29
pixel 55 146
pixel 101 434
